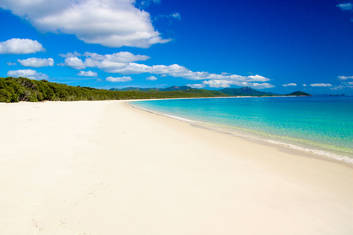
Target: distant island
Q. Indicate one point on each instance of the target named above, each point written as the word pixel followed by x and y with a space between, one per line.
pixel 24 89
pixel 299 93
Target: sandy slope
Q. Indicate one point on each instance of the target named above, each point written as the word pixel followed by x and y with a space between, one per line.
pixel 99 168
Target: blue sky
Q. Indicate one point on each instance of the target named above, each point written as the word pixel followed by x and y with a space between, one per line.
pixel 278 46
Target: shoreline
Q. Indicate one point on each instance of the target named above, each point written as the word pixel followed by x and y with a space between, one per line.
pixel 310 151
pixel 218 97
pixel 107 168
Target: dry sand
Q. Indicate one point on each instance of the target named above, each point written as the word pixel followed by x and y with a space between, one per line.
pixel 100 168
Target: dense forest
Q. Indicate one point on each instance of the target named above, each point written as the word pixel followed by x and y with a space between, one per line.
pixel 23 89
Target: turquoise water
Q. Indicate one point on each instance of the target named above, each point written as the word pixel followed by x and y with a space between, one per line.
pixel 321 122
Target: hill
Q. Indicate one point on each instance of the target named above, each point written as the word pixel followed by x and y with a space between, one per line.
pixel 244 91
pixel 298 93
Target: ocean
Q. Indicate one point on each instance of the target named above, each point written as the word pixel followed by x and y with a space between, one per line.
pixel 321 125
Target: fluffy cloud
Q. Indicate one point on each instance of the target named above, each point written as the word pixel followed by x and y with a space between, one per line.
pixel 345 6
pixel 228 83
pixel 124 63
pixel 196 85
pixel 27 73
pixel 112 23
pixel 345 77
pixel 87 74
pixel 108 62
pixel 258 78
pixel 289 84
pixel 218 83
pixel 261 85
pixel 321 85
pixel 118 79
pixel 122 57
pixel 75 62
pixel 20 46
pixel 152 78
pixel 37 62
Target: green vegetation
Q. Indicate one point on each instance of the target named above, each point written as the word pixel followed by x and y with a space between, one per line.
pixel 23 89
pixel 299 93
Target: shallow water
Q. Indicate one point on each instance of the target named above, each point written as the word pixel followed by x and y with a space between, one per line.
pixel 320 122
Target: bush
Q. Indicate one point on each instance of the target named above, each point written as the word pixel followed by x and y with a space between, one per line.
pixel 5 96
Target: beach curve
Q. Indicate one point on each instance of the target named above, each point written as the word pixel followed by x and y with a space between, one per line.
pixel 103 167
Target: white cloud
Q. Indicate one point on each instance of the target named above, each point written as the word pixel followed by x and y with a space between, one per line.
pixel 87 73
pixel 124 63
pixel 289 84
pixel 339 87
pixel 27 73
pixel 108 62
pixel 118 79
pixel 348 85
pixel 196 85
pixel 37 62
pixel 228 83
pixel 321 85
pixel 71 54
pixel 344 83
pixel 237 81
pixel 11 63
pixel 169 17
pixel 345 77
pixel 261 85
pixel 258 78
pixel 20 46
pixel 119 57
pixel 176 15
pixel 147 3
pixel 218 83
pixel 345 6
pixel 152 78
pixel 75 62
pixel 112 23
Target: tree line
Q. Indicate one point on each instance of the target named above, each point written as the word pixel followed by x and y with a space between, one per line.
pixel 24 89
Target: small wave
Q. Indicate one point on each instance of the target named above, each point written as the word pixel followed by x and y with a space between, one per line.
pixel 317 152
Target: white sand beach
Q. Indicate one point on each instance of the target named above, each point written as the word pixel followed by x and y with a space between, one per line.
pixel 103 167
